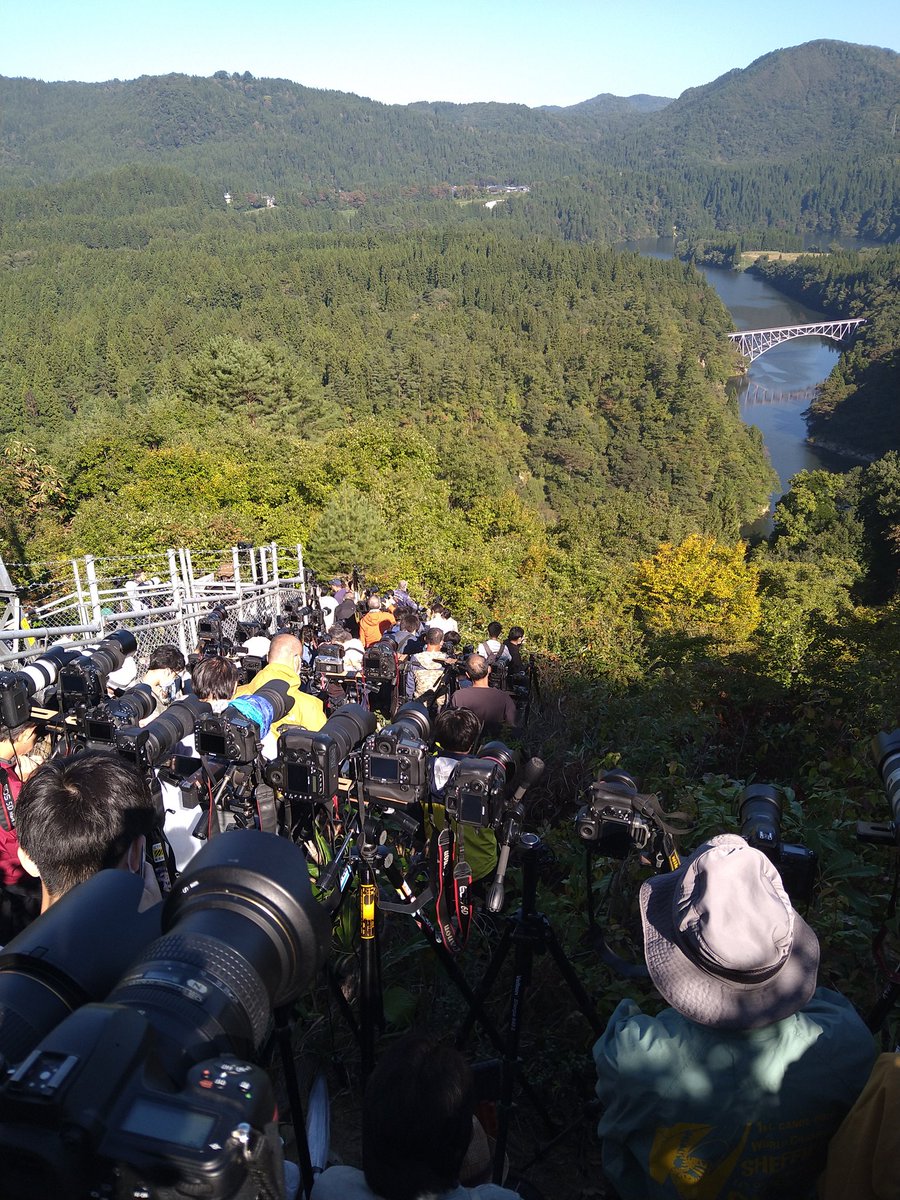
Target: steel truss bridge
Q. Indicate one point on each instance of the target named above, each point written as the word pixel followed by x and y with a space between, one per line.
pixel 754 342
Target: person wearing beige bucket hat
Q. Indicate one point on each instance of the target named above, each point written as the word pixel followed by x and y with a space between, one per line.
pixel 736 1088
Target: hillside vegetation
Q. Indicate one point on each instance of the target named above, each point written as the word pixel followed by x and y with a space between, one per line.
pixel 801 139
pixel 493 404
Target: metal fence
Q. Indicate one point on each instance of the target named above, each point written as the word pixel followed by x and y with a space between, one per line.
pixel 91 597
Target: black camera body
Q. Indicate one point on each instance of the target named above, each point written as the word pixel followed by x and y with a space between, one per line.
pixel 155 1091
pixel 150 1138
pixel 227 735
pixel 380 663
pixel 82 680
pixel 97 726
pixel 249 666
pixel 395 765
pixel 759 812
pixel 15 702
pixel 475 793
pixel 307 767
pixel 609 822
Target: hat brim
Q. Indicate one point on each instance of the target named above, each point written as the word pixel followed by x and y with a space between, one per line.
pixel 706 998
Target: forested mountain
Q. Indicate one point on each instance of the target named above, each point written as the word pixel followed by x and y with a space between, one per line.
pixel 801 139
pixel 585 386
pixel 821 96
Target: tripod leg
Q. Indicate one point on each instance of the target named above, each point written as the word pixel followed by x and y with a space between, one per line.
pixel 371 1009
pixel 567 971
pixel 283 1034
pixel 482 992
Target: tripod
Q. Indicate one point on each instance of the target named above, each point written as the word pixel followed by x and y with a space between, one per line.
pixel 528 932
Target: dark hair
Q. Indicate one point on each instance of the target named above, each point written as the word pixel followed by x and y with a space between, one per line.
pixel 415 1143
pixel 515 632
pixel 214 678
pixel 166 658
pixel 77 815
pixel 457 729
pixel 434 636
pixel 494 629
pixel 12 733
pixel 409 622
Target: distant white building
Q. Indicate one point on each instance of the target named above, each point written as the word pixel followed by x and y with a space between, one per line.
pixel 228 197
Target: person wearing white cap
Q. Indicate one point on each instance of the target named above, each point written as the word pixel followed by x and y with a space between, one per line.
pixel 735 1090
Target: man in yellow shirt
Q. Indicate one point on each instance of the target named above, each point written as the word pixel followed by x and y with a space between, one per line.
pixel 284 662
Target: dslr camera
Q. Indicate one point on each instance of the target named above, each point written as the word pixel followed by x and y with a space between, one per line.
pixel 156 1092
pixel 307 767
pixel 475 793
pixel 759 811
pixel 395 760
pixel 611 822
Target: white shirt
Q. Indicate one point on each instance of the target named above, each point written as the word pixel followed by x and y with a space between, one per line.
pixel 495 647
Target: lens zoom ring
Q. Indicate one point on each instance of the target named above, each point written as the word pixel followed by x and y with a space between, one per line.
pixel 216 959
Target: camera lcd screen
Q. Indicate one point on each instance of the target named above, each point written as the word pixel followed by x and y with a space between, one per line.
pixel 212 743
pixel 101 731
pixel 168 1123
pixel 298 779
pixel 387 769
pixel 471 808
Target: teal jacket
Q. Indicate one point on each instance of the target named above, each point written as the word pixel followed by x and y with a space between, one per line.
pixel 709 1114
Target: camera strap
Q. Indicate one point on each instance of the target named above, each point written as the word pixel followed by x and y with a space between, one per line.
pixel 266 809
pixel 8 807
pixel 454 887
pixel 162 858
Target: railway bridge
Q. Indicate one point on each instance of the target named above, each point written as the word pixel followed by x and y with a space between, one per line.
pixel 754 342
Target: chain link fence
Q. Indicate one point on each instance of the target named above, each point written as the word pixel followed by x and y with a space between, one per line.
pixel 159 599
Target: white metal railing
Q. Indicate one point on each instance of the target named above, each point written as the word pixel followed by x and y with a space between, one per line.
pixel 251 583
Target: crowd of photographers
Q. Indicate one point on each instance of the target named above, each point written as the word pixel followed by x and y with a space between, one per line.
pixel 734 1090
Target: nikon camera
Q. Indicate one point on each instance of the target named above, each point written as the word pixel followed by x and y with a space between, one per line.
pixel 155 1093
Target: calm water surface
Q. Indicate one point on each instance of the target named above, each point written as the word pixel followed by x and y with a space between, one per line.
pixel 779 385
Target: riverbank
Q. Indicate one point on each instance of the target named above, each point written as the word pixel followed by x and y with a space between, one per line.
pixel 842 451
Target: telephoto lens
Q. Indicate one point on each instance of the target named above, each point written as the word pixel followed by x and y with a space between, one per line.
pixel 242 934
pixel 147 746
pixel 759 813
pixel 349 726
pixel 18 687
pixel 83 680
pixel 59 962
pixel 413 716
pixel 113 651
pixel 99 724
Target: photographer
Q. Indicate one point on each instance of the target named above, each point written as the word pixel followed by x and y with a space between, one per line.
pixel 426 669
pixel 735 1089
pixel 285 661
pixel 78 815
pixel 514 641
pixel 493 708
pixel 492 649
pixel 19 896
pixel 164 676
pixel 456 734
pixel 375 623
pixel 415 1146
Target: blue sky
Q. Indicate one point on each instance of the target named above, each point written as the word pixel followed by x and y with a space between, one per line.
pixel 526 51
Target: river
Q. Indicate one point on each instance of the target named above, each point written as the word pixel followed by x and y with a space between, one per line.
pixel 779 385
